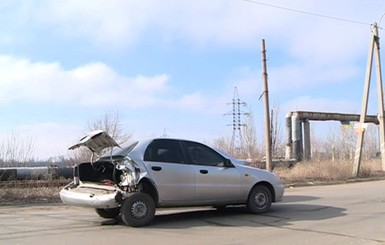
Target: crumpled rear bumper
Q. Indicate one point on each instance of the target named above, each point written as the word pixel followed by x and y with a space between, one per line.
pixel 92 195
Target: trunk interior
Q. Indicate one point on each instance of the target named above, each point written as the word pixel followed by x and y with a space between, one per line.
pixel 99 171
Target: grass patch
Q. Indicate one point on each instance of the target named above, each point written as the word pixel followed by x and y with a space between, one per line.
pixel 31 191
pixel 20 196
pixel 302 173
pixel 327 171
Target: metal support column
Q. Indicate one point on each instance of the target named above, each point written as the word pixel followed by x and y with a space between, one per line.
pixel 306 140
pixel 288 152
pixel 296 136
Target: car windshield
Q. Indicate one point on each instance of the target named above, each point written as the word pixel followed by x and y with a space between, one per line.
pixel 120 151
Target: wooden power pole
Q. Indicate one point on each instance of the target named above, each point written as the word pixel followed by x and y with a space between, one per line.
pixel 373 49
pixel 267 109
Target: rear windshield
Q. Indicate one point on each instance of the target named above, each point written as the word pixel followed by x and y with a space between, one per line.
pixel 120 151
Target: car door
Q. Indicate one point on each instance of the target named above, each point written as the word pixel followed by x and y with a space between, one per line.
pixel 214 181
pixel 165 161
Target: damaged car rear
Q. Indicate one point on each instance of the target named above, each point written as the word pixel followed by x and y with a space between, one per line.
pixel 134 179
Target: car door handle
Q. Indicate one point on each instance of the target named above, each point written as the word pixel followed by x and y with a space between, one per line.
pixel 203 171
pixel 156 168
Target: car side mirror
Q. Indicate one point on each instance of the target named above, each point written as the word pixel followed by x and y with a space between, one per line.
pixel 228 163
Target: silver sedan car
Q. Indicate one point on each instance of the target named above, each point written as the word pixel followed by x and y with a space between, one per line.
pixel 135 179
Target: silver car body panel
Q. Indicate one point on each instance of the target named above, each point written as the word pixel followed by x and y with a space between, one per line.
pixel 217 184
pixel 175 182
pixel 252 176
pixel 180 184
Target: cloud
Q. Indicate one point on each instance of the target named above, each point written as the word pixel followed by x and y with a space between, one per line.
pixel 236 23
pixel 293 77
pixel 302 76
pixel 200 103
pixel 307 54
pixel 123 23
pixel 307 103
pixel 92 84
pixel 296 40
pixel 196 100
pixel 97 84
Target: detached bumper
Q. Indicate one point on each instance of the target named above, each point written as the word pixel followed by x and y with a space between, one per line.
pixel 91 195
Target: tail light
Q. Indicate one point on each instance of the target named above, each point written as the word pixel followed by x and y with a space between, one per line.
pixel 76 174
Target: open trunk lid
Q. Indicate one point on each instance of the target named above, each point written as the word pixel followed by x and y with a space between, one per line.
pixel 96 141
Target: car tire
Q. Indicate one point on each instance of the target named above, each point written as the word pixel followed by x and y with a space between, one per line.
pixel 138 209
pixel 108 213
pixel 259 200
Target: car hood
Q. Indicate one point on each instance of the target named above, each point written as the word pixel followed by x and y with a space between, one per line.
pixel 96 141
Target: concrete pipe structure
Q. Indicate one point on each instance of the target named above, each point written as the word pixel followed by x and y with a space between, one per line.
pixel 298 141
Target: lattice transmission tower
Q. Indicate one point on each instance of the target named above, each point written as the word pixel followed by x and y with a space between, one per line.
pixel 236 139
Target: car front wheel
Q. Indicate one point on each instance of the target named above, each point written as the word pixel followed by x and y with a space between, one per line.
pixel 108 213
pixel 260 199
pixel 138 209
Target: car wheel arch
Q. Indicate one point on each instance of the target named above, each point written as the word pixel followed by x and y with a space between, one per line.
pixel 264 183
pixel 147 186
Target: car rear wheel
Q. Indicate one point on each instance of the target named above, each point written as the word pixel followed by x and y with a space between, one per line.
pixel 260 199
pixel 138 209
pixel 108 213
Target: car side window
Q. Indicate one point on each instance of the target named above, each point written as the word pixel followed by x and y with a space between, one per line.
pixel 203 155
pixel 164 150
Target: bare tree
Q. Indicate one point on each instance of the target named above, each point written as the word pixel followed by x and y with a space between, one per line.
pixel 277 146
pixel 110 123
pixel 223 144
pixel 317 146
pixel 250 138
pixel 250 149
pixel 340 144
pixel 16 150
pixel 371 142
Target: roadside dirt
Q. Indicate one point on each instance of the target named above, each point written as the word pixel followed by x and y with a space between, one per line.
pixel 50 195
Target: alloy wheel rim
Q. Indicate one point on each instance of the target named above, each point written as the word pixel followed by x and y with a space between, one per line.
pixel 260 199
pixel 139 209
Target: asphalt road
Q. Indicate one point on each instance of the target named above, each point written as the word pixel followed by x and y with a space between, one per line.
pixel 339 214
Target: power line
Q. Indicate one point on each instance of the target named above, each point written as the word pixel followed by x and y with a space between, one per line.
pixel 308 13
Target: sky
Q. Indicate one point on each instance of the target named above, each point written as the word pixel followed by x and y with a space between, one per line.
pixel 171 66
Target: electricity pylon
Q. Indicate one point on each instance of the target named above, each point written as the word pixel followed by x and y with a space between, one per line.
pixel 236 139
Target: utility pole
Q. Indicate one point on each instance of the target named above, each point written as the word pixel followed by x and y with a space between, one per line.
pixel 374 46
pixel 267 109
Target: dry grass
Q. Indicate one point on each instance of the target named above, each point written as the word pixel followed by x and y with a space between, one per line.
pixel 30 191
pixel 328 171
pixel 22 196
pixel 303 173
